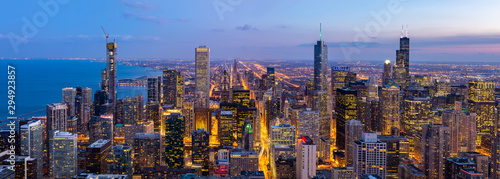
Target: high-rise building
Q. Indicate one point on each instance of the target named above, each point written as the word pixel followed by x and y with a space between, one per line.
pixel 283 161
pixel 226 128
pixel 410 171
pixel 482 161
pixel 482 102
pixel 247 135
pixel 146 150
pixel 454 166
pixel 243 161
pixel 200 151
pixel 153 85
pixel 401 72
pixel 225 93
pixel 57 117
pixel 416 112
pixel 372 88
pixel 32 143
pixel 387 74
pixel 271 78
pixel 105 81
pixel 338 78
pixel 97 154
pixel 442 88
pixel 23 166
pixel 153 113
pixel 463 131
pixel 390 107
pixel 120 160
pixel 353 132
pixel 189 121
pixel 202 70
pixel 173 88
pixel 306 158
pixel 284 134
pixel 435 149
pixel 174 141
pixel 234 74
pixel 132 109
pixel 202 118
pixel 370 155
pixel 242 97
pixel 398 148
pixel 111 67
pixel 342 172
pixel 68 97
pixel 308 124
pixel 320 65
pixel 107 127
pixel 495 157
pixel 63 154
pixel 346 108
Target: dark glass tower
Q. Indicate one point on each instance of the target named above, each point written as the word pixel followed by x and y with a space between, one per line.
pixel 402 67
pixel 320 65
pixel 174 144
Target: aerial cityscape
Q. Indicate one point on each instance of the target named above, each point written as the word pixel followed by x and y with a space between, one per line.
pixel 189 96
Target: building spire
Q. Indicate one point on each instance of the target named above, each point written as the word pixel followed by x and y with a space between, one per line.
pixel 407 31
pixel 402 30
pixel 320 31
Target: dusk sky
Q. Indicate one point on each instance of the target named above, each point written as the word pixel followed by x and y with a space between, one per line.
pixel 252 29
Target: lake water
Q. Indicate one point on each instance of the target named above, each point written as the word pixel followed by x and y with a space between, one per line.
pixel 40 82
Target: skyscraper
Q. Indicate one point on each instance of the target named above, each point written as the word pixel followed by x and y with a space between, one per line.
pixel 56 117
pixel 226 128
pixel 354 130
pixel 390 107
pixel 97 154
pixel 416 112
pixel 63 154
pixel 338 78
pixel 346 108
pixel 202 70
pixel 386 75
pixel 173 87
pixel 225 88
pixel 174 141
pixel 200 149
pixel 435 150
pixel 398 148
pixel 146 150
pixel 68 95
pixel 482 102
pixel 153 86
pixel 306 158
pixel 308 124
pixel 370 155
pixel 243 161
pixel 111 67
pixel 401 72
pixel 320 64
pixel 32 143
pixel 463 131
pixel 247 135
pixel 284 134
pixel 120 160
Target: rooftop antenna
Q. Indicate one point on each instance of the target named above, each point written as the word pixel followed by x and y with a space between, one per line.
pixel 402 30
pixel 107 35
pixel 407 31
pixel 319 31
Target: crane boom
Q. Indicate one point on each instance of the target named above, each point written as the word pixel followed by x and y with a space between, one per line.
pixel 107 35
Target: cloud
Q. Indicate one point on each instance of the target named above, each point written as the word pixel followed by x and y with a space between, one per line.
pixel 2 36
pixel 141 4
pixel 347 44
pixel 181 20
pixel 457 40
pixel 217 30
pixel 246 27
pixel 157 19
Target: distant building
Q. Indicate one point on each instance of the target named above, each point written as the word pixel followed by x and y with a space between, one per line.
pixel 68 97
pixel 346 108
pixel 390 106
pixel 416 113
pixel 154 92
pixel 202 70
pixel 173 88
pixel 387 74
pixel 436 139
pixel 354 131
pixel 165 172
pixel 398 148
pixel 320 65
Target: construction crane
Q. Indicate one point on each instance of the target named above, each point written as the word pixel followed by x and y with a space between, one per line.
pixel 107 35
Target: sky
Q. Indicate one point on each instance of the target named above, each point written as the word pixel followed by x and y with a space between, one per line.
pixel 354 30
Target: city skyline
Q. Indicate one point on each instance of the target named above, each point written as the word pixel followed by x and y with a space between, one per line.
pixel 232 30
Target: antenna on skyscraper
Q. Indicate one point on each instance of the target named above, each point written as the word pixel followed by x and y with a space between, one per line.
pixel 320 31
pixel 407 31
pixel 107 35
pixel 402 30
